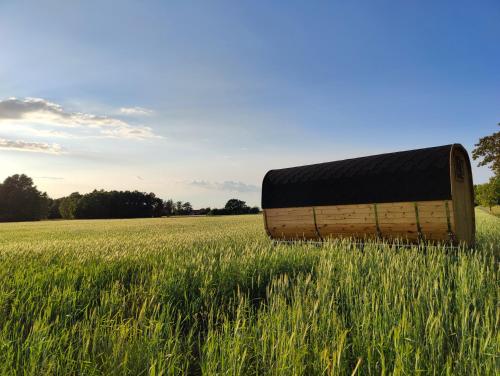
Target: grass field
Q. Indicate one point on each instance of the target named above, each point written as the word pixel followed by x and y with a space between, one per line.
pixel 496 210
pixel 214 296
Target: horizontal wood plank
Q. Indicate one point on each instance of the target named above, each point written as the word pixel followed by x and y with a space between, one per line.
pixel 395 220
pixel 327 220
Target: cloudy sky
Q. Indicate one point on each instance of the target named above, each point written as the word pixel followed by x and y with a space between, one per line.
pixel 197 100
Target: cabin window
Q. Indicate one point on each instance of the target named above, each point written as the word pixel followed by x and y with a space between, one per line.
pixel 459 169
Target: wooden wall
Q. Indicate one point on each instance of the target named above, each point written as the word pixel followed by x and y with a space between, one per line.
pixel 462 192
pixel 407 220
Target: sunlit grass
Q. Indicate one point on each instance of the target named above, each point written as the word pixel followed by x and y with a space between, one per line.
pixel 215 296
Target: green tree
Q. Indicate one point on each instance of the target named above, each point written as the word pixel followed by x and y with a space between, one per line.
pixel 204 211
pixel 54 212
pixel 187 208
pixel 68 205
pixel 178 208
pixel 112 204
pixel 20 200
pixel 488 150
pixel 169 207
pixel 158 206
pixel 235 206
pixel 488 194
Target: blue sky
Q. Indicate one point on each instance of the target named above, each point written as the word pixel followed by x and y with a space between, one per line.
pixel 197 100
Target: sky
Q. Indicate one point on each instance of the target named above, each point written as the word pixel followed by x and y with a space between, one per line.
pixel 196 100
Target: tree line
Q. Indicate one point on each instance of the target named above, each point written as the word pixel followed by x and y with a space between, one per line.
pixel 20 200
pixel 488 150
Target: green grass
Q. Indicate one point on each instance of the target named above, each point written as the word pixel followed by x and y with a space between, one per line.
pixel 214 296
pixel 496 210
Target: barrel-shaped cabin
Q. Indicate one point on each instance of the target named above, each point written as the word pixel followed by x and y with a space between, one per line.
pixel 423 194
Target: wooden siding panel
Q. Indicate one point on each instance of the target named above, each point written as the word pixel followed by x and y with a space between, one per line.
pixel 293 234
pixel 346 207
pixel 385 211
pixel 346 221
pixel 289 212
pixel 291 223
pixel 395 220
pixel 351 220
pixel 433 220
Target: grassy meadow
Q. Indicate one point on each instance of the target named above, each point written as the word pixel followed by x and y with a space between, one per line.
pixel 214 296
pixel 495 210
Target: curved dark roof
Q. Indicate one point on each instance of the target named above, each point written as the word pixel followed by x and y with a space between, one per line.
pixel 414 175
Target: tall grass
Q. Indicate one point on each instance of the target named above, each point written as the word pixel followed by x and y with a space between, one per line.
pixel 215 296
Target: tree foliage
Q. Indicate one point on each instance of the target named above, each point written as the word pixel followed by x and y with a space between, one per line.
pixel 176 208
pixel 53 208
pixel 187 208
pixel 20 200
pixel 204 211
pixel 235 206
pixel 488 194
pixel 67 207
pixel 488 150
pixel 168 207
pixel 111 204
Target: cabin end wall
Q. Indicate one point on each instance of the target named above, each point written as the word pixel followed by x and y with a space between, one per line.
pixel 462 193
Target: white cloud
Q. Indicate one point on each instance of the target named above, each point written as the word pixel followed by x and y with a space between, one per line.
pixel 232 186
pixel 36 147
pixel 49 177
pixel 135 111
pixel 49 133
pixel 129 132
pixel 41 111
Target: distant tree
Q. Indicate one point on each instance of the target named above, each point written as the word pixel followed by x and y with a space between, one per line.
pixel 216 211
pixel 53 205
pixel 20 200
pixel 68 205
pixel 168 207
pixel 235 206
pixel 204 211
pixel 158 206
pixel 488 194
pixel 254 210
pixel 178 208
pixel 118 204
pixel 187 208
pixel 96 204
pixel 488 149
pixel 114 204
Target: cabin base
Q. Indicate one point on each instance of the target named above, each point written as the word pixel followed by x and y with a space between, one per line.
pixel 408 221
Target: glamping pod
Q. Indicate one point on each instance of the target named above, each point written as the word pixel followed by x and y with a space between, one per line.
pixel 424 194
